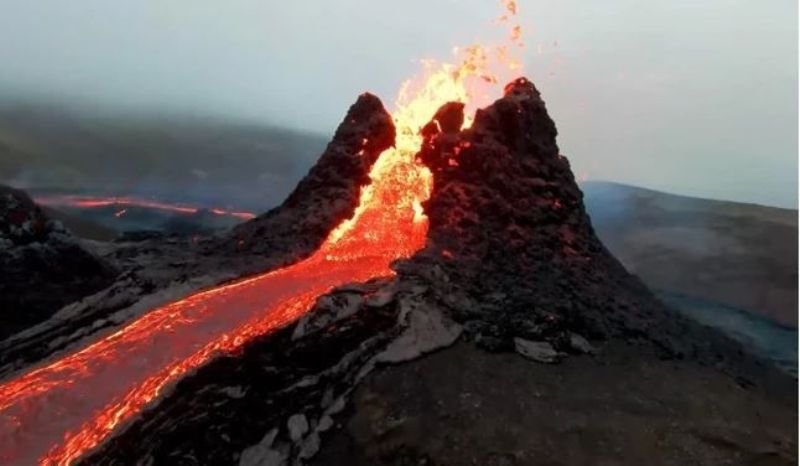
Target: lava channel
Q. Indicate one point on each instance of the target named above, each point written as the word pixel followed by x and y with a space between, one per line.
pixel 93 202
pixel 56 413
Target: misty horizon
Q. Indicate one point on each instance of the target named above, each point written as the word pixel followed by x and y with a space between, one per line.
pixel 662 96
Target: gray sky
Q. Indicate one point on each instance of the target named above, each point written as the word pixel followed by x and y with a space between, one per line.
pixel 697 97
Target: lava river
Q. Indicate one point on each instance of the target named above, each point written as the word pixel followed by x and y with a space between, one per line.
pixel 62 408
pixel 55 413
pixel 93 202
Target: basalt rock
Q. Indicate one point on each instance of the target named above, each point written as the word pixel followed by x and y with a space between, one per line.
pixel 328 194
pixel 42 267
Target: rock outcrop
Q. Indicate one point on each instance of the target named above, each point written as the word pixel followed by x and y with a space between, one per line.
pixel 42 267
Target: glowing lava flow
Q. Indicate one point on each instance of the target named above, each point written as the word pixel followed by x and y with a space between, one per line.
pixel 90 202
pixel 57 412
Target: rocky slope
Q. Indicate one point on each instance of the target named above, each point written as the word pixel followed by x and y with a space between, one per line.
pixel 509 230
pixel 329 192
pixel 211 161
pixel 739 255
pixel 42 267
pixel 517 256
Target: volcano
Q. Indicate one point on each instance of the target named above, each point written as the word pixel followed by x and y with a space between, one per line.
pixel 440 233
pixel 488 250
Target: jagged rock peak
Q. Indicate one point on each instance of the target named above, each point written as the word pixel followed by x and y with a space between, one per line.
pixel 521 88
pixel 497 180
pixel 367 118
pixel 328 194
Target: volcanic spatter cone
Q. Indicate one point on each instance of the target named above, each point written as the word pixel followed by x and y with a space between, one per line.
pixel 511 257
pixel 511 253
pixel 509 230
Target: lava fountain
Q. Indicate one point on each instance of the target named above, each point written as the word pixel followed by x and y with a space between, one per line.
pixel 55 413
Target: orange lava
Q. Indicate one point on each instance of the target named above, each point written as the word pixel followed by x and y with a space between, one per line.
pixel 57 412
pixel 90 202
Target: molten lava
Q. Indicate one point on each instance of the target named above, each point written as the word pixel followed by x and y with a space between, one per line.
pixel 91 202
pixel 57 412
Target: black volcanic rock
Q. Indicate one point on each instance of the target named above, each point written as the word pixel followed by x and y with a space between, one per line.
pixel 42 267
pixel 329 192
pixel 512 253
pixel 23 221
pixel 508 226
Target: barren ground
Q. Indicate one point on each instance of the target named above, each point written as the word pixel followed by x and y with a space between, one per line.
pixel 464 406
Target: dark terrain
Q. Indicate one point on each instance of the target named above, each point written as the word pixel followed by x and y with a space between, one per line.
pixel 530 279
pixel 533 344
pixel 42 266
pixel 623 406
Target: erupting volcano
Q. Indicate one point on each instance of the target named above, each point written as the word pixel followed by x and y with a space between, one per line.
pixel 55 413
pixel 454 217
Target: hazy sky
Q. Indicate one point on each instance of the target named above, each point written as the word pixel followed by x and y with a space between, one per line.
pixel 689 96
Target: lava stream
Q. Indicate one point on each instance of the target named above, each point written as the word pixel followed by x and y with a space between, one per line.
pixel 87 394
pixel 92 202
pixel 55 413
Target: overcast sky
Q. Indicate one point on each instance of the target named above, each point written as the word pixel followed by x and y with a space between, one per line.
pixel 690 96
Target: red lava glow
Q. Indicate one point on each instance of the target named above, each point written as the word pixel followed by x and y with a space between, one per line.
pixel 92 202
pixel 58 411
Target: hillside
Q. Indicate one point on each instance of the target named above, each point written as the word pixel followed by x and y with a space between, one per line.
pixel 739 255
pixel 195 159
